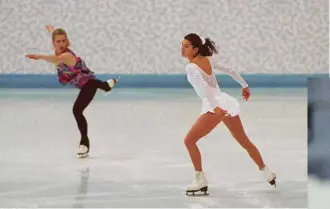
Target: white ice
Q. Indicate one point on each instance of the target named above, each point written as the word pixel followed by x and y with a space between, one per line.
pixel 318 193
pixel 138 158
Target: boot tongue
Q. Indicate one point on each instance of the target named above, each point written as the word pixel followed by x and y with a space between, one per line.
pixel 197 174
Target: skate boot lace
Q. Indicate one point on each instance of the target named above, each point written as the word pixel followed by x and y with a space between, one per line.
pixel 197 178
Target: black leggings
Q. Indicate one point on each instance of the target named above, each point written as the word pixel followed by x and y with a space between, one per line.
pixel 85 96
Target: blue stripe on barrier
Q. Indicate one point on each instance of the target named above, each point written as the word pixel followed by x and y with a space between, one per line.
pixel 160 80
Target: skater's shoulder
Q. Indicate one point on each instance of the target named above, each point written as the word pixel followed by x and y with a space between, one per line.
pixel 201 65
pixel 67 58
pixel 191 67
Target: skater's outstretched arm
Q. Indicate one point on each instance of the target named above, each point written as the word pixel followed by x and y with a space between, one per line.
pixel 67 58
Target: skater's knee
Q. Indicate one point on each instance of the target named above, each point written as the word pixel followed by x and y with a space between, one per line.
pixel 239 135
pixel 189 141
pixel 186 142
pixel 77 111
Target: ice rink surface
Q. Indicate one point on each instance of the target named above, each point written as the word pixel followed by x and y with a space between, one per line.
pixel 138 158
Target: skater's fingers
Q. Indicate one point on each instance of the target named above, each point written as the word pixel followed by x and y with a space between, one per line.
pixel 49 28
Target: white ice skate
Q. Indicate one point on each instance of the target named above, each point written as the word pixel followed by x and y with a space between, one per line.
pixel 112 82
pixel 199 184
pixel 269 176
pixel 83 151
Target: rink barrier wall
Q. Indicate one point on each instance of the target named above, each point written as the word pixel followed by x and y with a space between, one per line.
pixel 160 80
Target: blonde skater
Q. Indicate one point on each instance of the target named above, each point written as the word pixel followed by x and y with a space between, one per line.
pixel 71 69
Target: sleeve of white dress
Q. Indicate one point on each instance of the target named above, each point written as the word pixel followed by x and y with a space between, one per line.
pixel 198 81
pixel 235 75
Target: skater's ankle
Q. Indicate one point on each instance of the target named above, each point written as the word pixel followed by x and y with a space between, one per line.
pixel 84 141
pixel 262 167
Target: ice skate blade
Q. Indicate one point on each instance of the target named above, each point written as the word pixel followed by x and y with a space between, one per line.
pixel 197 192
pixel 273 182
pixel 85 155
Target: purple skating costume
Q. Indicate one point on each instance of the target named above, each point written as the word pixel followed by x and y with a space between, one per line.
pixel 78 75
pixel 81 77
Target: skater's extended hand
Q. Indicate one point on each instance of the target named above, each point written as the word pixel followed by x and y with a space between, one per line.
pixel 49 28
pixel 33 56
pixel 220 112
pixel 246 93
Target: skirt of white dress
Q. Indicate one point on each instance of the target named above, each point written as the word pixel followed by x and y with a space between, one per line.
pixel 225 102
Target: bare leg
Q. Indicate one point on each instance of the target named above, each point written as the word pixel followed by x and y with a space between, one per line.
pixel 203 125
pixel 235 126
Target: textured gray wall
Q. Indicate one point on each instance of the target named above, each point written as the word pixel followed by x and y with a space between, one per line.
pixel 144 36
